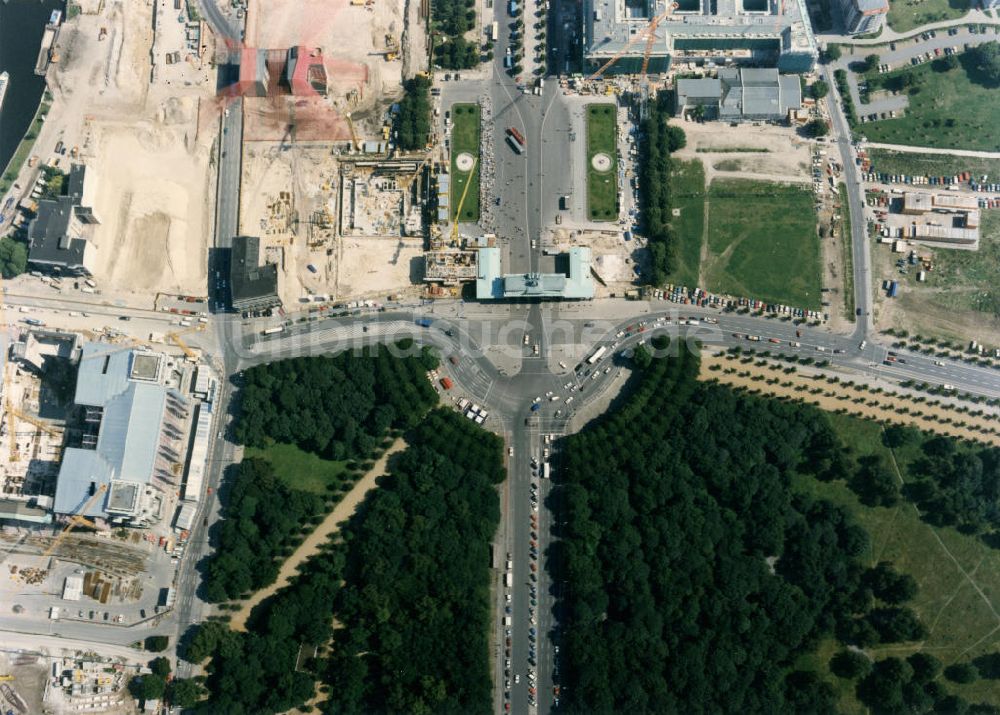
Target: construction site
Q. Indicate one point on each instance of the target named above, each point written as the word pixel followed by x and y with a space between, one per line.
pixel 100 476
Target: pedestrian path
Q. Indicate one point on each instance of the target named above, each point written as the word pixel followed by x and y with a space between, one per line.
pixel 314 542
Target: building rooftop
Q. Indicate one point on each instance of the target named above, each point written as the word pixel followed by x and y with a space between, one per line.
pixel 738 29
pixel 743 93
pixel 575 283
pixel 251 283
pixel 119 384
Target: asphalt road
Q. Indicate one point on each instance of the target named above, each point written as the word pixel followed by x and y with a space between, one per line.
pixel 528 187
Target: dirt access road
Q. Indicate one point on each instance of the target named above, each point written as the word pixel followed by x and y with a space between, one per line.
pixel 329 526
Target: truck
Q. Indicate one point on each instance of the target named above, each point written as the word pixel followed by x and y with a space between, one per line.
pixel 446 383
pixel 893 289
pixel 512 8
pixel 424 322
pixel 598 354
pixel 508 580
pixel 272 331
pixel 90 283
pixel 546 472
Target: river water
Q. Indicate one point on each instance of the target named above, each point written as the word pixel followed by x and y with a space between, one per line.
pixel 22 23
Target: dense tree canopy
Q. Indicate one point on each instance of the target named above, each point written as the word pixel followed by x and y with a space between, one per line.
pixel 414 120
pixel 987 60
pixel 415 604
pixel 13 257
pixel 263 522
pixel 658 140
pixel 690 562
pixel 408 584
pixel 337 407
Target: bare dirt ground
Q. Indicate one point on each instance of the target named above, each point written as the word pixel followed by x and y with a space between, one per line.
pixel 327 528
pixel 373 267
pixel 875 406
pixel 917 311
pixel 353 41
pixel 152 184
pixel 146 144
pixel 779 152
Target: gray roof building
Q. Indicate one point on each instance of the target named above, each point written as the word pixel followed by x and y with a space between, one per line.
pixel 741 94
pixel 132 421
pixel 59 235
pixel 575 282
pixel 863 16
pixel 253 286
pixel 772 33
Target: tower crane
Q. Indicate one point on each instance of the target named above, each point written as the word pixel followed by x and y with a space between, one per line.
pixel 76 520
pixel 647 33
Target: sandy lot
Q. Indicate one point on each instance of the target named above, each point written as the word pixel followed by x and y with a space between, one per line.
pixel 152 184
pixel 780 152
pixel 360 80
pixel 373 267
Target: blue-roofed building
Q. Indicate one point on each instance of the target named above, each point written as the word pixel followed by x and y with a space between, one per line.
pixel 133 437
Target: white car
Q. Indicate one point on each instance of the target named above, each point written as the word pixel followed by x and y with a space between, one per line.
pixel 510 451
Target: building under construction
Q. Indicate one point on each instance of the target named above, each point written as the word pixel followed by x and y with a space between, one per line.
pixel 761 33
pixel 381 198
pixel 133 441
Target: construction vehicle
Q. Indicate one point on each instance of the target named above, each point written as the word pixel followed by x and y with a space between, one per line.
pixel 5 678
pixel 76 520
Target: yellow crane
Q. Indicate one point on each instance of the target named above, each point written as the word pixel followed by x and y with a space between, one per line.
pixel 175 338
pixel 37 422
pixel 461 201
pixel 647 33
pixel 354 136
pixel 76 520
pixel 410 178
pixel 8 409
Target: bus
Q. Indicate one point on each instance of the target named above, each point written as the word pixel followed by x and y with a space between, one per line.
pixel 598 354
pixel 494 31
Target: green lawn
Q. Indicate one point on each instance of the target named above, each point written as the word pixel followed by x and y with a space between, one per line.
pixel 847 256
pixel 602 186
pixel 300 469
pixel 955 109
pixel 465 138
pixel 763 243
pixel 904 15
pixel 956 615
pixel 961 280
pixel 687 195
pixel 900 162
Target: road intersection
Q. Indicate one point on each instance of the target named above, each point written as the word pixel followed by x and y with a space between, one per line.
pixel 530 395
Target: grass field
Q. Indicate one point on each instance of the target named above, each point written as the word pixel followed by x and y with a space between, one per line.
pixel 962 280
pixel 602 186
pixel 299 469
pixel 955 109
pixel 948 567
pixel 898 162
pixel 687 195
pixel 847 259
pixel 465 138
pixel 762 242
pixel 904 15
